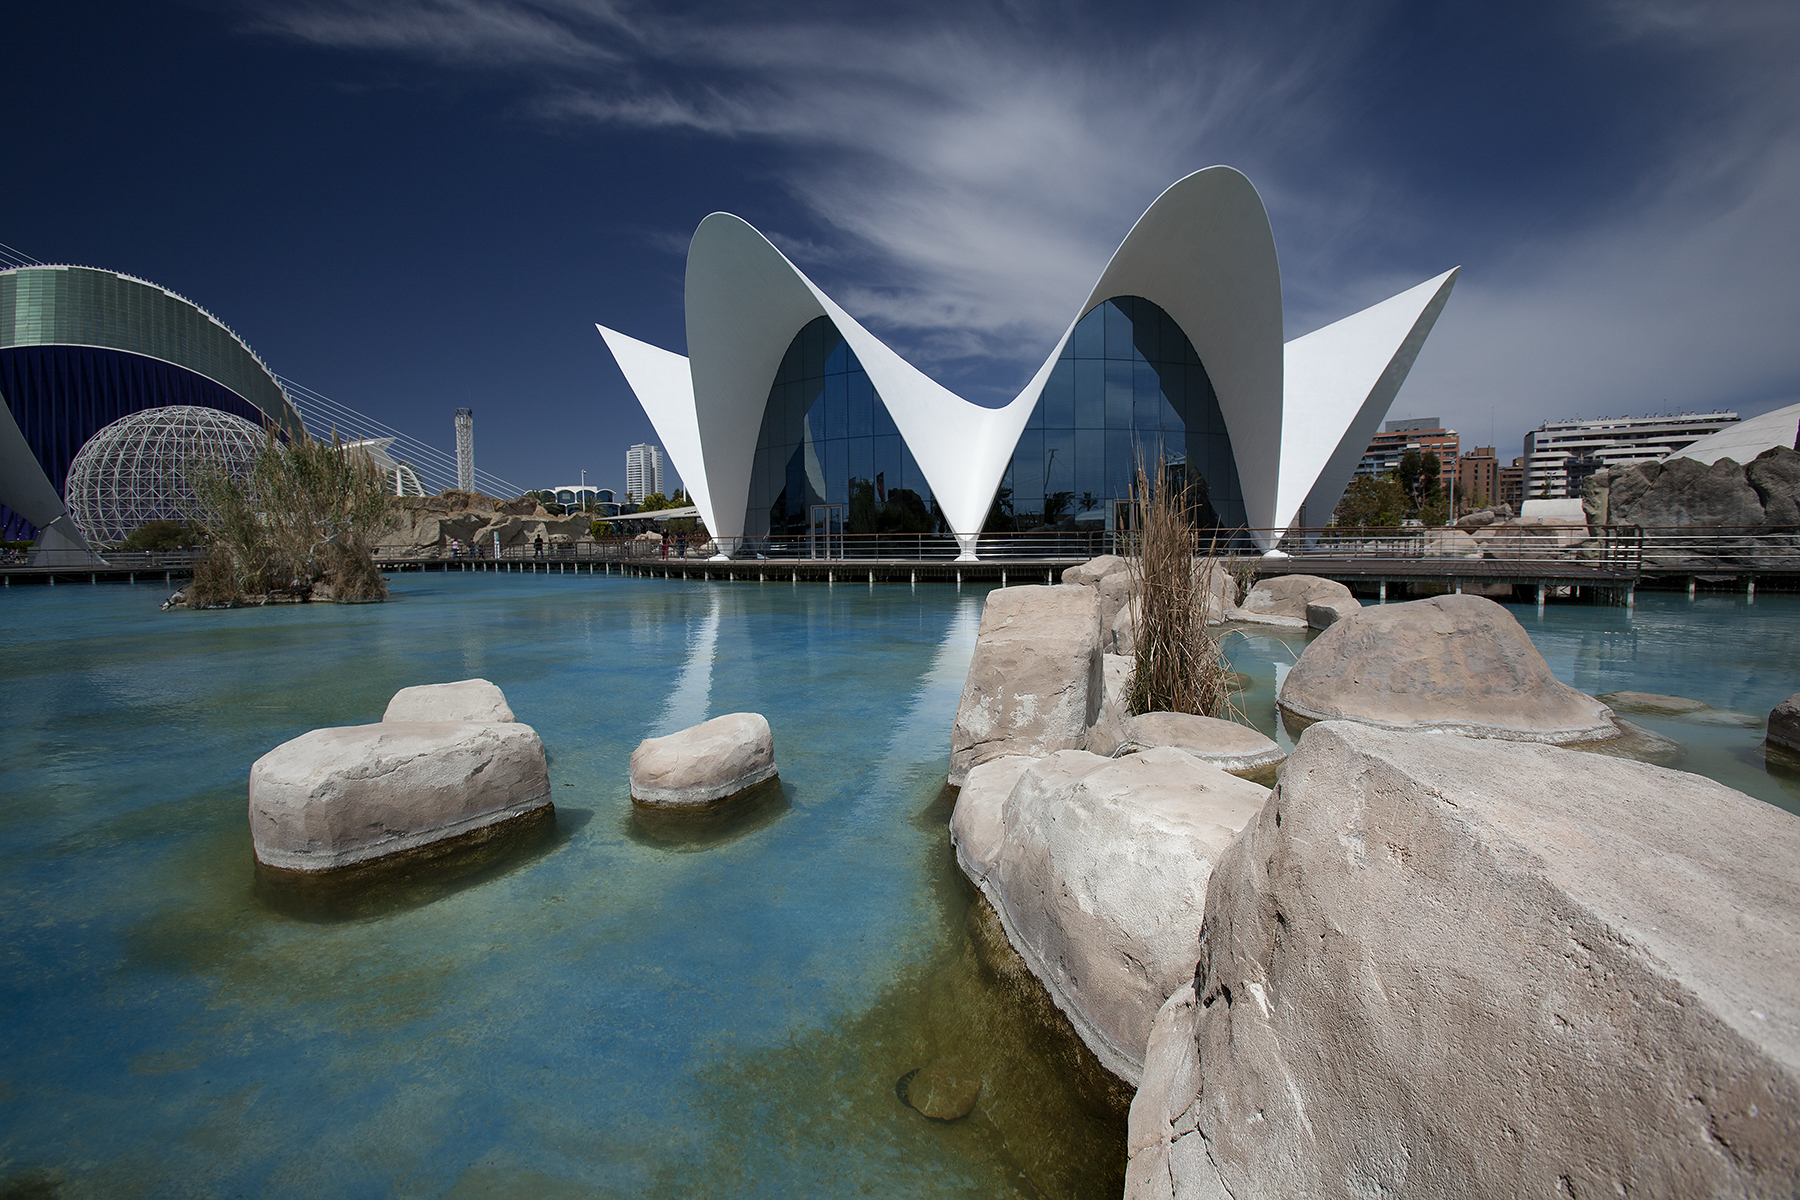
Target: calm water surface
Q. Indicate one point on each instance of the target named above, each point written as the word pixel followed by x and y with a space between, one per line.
pixel 616 1013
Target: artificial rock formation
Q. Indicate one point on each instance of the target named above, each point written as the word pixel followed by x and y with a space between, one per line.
pixel 1442 967
pixel 1098 870
pixel 1034 681
pixel 1457 663
pixel 1282 600
pixel 465 700
pixel 1092 571
pixel 428 522
pixel 1227 745
pixel 1114 710
pixel 335 798
pixel 1323 614
pixel 1784 723
pixel 705 764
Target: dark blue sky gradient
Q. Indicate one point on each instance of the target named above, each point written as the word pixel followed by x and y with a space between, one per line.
pixel 412 207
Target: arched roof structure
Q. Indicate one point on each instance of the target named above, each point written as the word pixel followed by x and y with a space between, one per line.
pixel 1299 416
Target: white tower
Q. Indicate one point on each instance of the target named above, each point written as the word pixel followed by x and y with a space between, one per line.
pixel 465 449
pixel 643 470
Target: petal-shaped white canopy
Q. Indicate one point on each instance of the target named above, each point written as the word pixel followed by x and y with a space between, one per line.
pixel 1298 418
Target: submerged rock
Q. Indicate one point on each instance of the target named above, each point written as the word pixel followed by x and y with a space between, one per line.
pixel 1100 878
pixel 335 798
pixel 1651 702
pixel 1456 663
pixel 1438 966
pixel 1034 680
pixel 1227 745
pixel 943 1090
pixel 465 700
pixel 704 764
pixel 1784 723
pixel 1282 600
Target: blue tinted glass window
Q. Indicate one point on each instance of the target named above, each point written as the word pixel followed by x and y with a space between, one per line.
pixel 1089 338
pixel 1118 393
pixel 1090 393
pixel 1059 396
pixel 1118 332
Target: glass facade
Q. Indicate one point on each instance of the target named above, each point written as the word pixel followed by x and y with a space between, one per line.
pixel 827 440
pixel 1128 385
pixel 82 306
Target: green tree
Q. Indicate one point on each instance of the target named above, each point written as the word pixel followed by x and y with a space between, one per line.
pixel 655 502
pixel 163 535
pixel 1372 500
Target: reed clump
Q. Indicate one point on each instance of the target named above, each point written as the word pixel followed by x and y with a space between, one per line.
pixel 1180 665
pixel 308 513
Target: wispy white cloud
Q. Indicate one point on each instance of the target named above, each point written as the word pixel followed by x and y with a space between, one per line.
pixel 969 176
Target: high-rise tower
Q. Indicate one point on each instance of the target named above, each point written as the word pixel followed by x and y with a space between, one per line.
pixel 643 470
pixel 465 449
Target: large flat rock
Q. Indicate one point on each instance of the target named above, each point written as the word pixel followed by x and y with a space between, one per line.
pixel 1282 600
pixel 464 700
pixel 333 798
pixel 1100 878
pixel 704 764
pixel 1223 744
pixel 1459 663
pixel 1442 967
pixel 1034 679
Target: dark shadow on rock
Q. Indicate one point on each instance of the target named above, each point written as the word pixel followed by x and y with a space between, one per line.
pixel 705 826
pixel 1782 764
pixel 413 878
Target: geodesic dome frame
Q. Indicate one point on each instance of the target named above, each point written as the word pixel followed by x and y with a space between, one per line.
pixel 141 467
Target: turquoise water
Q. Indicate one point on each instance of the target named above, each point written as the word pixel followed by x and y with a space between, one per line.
pixel 616 1013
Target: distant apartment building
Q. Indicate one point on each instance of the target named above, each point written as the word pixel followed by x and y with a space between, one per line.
pixel 1478 474
pixel 643 471
pixel 1559 455
pixel 1424 434
pixel 1512 484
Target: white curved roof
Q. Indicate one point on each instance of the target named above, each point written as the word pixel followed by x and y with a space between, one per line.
pixel 1299 416
pixel 1743 441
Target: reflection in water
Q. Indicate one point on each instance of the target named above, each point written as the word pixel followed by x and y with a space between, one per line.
pixel 688 699
pixel 703 826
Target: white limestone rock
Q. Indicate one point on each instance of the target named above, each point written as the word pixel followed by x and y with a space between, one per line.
pixel 1458 663
pixel 1108 729
pixel 975 822
pixel 1092 571
pixel 1281 601
pixel 466 700
pixel 704 764
pixel 333 798
pixel 1436 966
pixel 1124 630
pixel 1034 680
pixel 1100 881
pixel 1223 744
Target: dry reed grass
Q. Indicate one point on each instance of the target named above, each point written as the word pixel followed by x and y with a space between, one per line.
pixel 1180 665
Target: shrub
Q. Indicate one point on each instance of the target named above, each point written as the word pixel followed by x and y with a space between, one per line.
pixel 309 512
pixel 163 535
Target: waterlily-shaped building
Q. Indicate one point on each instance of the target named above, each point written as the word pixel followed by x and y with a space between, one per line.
pixel 786 407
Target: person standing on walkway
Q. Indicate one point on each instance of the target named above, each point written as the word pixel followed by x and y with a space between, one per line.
pixel 538 545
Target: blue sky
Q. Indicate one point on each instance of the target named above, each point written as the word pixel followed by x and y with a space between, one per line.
pixel 416 205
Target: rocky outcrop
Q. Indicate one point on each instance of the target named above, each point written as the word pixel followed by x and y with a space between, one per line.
pixel 1753 509
pixel 1323 614
pixel 1449 543
pixel 705 764
pixel 1092 571
pixel 1457 663
pixel 1099 879
pixel 1531 539
pixel 474 520
pixel 1227 745
pixel 1124 630
pixel 1034 681
pixel 1282 600
pixel 1114 710
pixel 976 823
pixel 466 700
pixel 1437 967
pixel 1653 703
pixel 1784 723
pixel 335 798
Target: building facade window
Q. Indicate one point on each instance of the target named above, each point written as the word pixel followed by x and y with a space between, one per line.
pixel 828 443
pixel 1127 387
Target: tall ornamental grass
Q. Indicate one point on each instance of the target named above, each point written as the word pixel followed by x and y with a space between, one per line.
pixel 1180 666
